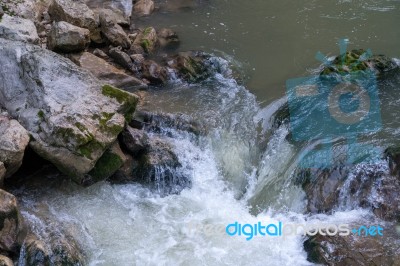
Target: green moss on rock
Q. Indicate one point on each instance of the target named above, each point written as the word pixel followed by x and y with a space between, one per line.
pixel 107 165
pixel 127 100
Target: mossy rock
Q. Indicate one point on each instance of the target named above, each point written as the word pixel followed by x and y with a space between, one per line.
pixel 127 100
pixel 351 62
pixel 108 164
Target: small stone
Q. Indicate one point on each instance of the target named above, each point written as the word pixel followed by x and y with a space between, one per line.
pixel 121 57
pixel 168 38
pixel 100 53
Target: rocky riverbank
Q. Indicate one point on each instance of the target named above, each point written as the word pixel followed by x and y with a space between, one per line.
pixel 64 65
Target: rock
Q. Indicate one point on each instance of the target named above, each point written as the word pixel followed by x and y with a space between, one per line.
pixel 12 228
pixel 154 73
pixel 124 174
pixel 371 187
pixel 349 63
pixel 138 60
pixel 147 39
pixel 18 29
pixel 4 261
pixel 1 12
pixel 143 7
pixel 99 53
pixel 112 31
pixel 71 116
pixel 28 9
pixel 136 49
pixel 120 7
pixel 76 13
pixel 107 165
pixel 393 156
pixel 322 187
pixel 114 15
pixel 55 250
pixel 134 140
pixel 106 72
pixel 160 168
pixel 2 173
pixel 190 66
pixel 13 141
pixel 158 122
pixel 167 38
pixel 121 58
pixel 355 249
pixel 65 37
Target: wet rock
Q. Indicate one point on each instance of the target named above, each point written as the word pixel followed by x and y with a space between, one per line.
pixel 65 37
pixel 71 116
pixel 76 13
pixel 121 58
pixel 322 187
pixel 12 228
pixel 18 29
pixel 143 7
pixel 355 249
pixel 138 60
pixel 124 174
pixel 159 167
pixel 393 156
pixel 167 38
pixel 106 72
pixel 1 12
pixel 107 165
pixel 134 140
pixel 158 122
pixel 369 186
pixel 147 39
pixel 154 73
pixel 190 66
pixel 54 250
pixel 4 261
pixel 352 61
pixel 14 139
pixel 112 31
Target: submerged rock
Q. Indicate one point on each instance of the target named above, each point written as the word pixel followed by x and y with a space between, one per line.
pixel 154 73
pixel 12 228
pixel 106 72
pixel 13 141
pixel 168 38
pixel 18 29
pixel 65 37
pixel 71 116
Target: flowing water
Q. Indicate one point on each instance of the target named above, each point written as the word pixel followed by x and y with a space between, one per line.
pixel 242 170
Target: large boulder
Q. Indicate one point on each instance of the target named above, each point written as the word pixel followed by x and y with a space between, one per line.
pixel 110 28
pixel 118 6
pixel 13 141
pixel 65 37
pixel 18 29
pixel 12 228
pixel 71 116
pixel 106 72
pixel 76 13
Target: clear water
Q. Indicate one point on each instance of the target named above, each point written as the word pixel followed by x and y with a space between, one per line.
pixel 242 169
